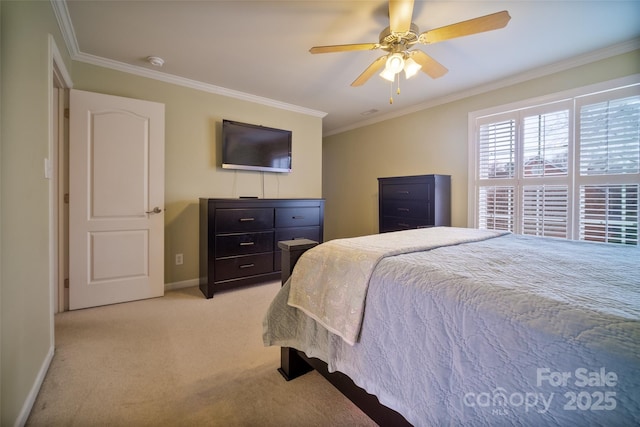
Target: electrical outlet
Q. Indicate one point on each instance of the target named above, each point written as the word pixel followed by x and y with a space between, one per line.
pixel 179 259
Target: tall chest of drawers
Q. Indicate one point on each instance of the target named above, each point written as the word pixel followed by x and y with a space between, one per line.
pixel 239 238
pixel 407 202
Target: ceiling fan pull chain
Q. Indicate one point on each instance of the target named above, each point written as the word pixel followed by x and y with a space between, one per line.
pixel 398 91
pixel 391 93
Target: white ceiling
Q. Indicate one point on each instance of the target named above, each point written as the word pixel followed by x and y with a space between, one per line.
pixel 259 49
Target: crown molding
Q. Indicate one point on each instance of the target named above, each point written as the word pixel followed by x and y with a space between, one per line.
pixel 194 84
pixel 66 27
pixel 576 61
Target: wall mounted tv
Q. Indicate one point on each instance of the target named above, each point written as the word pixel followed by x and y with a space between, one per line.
pixel 252 147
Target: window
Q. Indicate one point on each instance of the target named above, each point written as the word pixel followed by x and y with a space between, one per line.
pixel 567 169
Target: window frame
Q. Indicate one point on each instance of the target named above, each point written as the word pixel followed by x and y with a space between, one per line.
pixel 571 100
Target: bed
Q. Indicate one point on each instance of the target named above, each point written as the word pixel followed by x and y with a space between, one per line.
pixel 454 326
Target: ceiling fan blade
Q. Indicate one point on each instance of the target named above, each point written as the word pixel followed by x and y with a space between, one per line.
pixel 429 65
pixel 400 14
pixel 344 47
pixel 490 22
pixel 370 71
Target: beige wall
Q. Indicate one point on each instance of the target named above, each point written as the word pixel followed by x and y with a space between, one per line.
pixel 25 344
pixel 193 120
pixel 192 171
pixel 433 140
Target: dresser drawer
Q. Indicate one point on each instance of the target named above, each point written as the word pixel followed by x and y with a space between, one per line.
pixel 241 266
pixel 397 224
pixel 243 243
pixel 229 220
pixel 406 209
pixel 408 191
pixel 297 217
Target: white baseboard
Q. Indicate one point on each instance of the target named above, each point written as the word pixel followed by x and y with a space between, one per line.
pixel 179 285
pixel 33 394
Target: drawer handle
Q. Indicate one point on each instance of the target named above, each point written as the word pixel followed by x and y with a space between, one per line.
pixel 403 209
pixel 402 191
pixel 297 217
pixel 247 265
pixel 247 219
pixel 247 243
pixel 401 224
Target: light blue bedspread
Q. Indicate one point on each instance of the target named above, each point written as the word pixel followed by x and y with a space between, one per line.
pixel 513 330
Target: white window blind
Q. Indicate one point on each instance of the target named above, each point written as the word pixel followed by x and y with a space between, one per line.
pixel 610 137
pixel 545 210
pixel 497 207
pixel 536 175
pixel 609 213
pixel 497 150
pixel 546 144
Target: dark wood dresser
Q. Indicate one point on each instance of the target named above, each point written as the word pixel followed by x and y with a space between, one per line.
pixel 239 238
pixel 406 202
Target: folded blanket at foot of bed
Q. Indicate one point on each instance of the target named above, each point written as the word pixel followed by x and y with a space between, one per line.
pixel 330 281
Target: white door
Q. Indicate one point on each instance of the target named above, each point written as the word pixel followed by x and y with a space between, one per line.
pixel 116 199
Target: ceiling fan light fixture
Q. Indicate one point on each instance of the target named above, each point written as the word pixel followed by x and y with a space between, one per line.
pixel 411 67
pixel 395 63
pixel 387 74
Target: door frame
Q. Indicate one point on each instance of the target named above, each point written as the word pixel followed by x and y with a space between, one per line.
pixel 59 80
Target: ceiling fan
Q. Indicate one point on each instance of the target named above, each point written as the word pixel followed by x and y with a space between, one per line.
pixel 402 34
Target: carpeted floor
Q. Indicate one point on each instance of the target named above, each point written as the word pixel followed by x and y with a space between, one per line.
pixel 180 360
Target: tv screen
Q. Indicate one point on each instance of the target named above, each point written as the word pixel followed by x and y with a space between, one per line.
pixel 253 147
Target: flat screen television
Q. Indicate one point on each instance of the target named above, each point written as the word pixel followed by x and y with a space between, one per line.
pixel 253 147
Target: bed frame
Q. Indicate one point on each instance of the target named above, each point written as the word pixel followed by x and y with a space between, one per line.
pixel 294 363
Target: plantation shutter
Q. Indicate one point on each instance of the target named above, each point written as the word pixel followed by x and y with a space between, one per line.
pixel 497 150
pixel 545 210
pixel 497 208
pixel 569 168
pixel 544 167
pixel 546 144
pixel 609 213
pixel 610 151
pixel 609 137
pixel 496 154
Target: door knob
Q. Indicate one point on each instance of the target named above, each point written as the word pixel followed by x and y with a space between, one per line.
pixel 155 210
